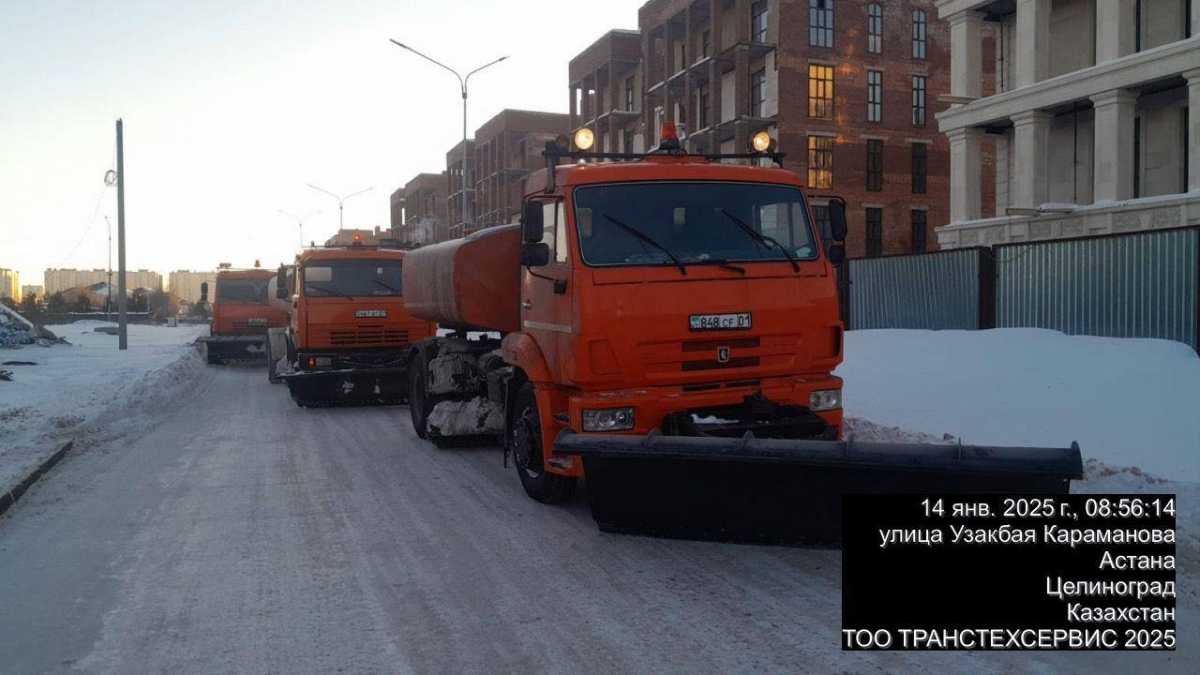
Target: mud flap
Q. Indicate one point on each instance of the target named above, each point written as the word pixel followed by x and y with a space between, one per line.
pixel 786 491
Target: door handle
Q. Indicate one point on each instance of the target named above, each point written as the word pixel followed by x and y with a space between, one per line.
pixel 527 304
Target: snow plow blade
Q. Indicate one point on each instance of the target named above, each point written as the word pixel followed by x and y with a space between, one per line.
pixel 786 491
pixel 222 348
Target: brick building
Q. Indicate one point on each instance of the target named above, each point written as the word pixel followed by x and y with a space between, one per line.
pixel 454 187
pixel 396 210
pixel 606 91
pixel 849 88
pixel 423 200
pixel 368 237
pixel 507 148
pixel 57 280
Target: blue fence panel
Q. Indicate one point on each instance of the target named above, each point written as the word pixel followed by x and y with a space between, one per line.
pixel 933 291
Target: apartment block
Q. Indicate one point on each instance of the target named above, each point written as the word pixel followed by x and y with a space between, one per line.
pixel 1092 118
pixel 10 284
pixel 606 92
pixel 185 284
pixel 848 88
pixel 507 147
pixel 455 215
pixel 425 208
pixel 396 209
pixel 58 280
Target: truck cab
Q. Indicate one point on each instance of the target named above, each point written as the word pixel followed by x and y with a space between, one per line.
pixel 242 314
pixel 348 333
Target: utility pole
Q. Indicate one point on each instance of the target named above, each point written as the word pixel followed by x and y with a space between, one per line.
pixel 122 317
pixel 300 221
pixel 462 84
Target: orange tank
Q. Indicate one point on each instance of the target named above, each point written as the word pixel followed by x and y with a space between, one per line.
pixel 470 283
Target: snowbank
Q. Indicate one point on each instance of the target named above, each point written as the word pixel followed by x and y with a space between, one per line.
pixel 87 389
pixel 1128 402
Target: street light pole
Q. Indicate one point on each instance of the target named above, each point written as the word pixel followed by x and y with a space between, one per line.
pixel 462 84
pixel 299 221
pixel 341 199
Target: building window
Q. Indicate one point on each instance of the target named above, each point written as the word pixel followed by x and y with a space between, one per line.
pixel 918 100
pixel 874 96
pixel 820 91
pixel 629 93
pixel 918 231
pixel 758 21
pixel 705 43
pixel 874 165
pixel 702 105
pixel 920 167
pixel 874 232
pixel 918 34
pixel 820 162
pixel 758 92
pixel 820 23
pixel 874 28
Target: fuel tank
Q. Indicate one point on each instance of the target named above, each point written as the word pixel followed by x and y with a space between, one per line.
pixel 469 283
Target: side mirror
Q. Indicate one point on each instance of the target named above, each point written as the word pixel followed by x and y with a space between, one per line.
pixel 203 291
pixel 532 229
pixel 281 285
pixel 837 254
pixel 535 254
pixel 837 219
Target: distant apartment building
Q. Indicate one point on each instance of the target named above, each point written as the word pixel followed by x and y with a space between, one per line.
pixel 345 237
pixel 396 209
pixel 507 148
pixel 58 280
pixel 34 291
pixel 1093 118
pixel 848 88
pixel 606 92
pixel 185 284
pixel 10 284
pixel 455 187
pixel 425 209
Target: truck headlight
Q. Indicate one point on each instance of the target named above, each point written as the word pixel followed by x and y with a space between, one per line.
pixel 825 399
pixel 609 419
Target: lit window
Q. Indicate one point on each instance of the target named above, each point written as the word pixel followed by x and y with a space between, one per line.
pixel 820 91
pixel 820 162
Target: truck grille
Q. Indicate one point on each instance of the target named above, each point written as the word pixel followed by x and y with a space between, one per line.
pixel 250 327
pixel 368 337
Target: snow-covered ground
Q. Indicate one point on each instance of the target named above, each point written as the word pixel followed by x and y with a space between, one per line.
pixel 1128 402
pixel 88 390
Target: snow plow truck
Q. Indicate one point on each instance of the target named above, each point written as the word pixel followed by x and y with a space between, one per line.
pixel 348 336
pixel 668 330
pixel 242 313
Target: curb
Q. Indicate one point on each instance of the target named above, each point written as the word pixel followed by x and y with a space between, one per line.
pixel 9 498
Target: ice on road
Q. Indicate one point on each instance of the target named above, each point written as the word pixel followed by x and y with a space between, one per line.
pixel 244 534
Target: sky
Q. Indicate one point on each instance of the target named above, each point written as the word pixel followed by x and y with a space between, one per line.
pixel 230 108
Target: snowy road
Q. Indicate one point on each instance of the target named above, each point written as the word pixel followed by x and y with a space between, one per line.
pixel 243 534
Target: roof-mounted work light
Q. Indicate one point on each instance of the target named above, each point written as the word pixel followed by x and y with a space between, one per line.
pixel 584 138
pixel 762 142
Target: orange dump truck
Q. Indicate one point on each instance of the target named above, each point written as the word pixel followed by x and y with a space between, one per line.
pixel 668 326
pixel 349 335
pixel 242 313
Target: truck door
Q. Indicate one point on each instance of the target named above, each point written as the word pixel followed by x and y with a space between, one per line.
pixel 545 300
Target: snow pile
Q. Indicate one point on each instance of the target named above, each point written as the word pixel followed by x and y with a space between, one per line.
pixel 466 418
pixel 1127 402
pixel 15 330
pixel 90 391
pixel 858 429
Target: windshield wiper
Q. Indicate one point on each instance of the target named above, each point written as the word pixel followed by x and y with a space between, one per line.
pixel 762 238
pixel 394 290
pixel 330 291
pixel 646 238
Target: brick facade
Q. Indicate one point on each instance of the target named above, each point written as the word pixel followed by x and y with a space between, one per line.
pixel 425 203
pixel 506 148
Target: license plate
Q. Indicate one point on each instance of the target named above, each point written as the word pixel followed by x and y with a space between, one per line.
pixel 739 321
pixel 371 314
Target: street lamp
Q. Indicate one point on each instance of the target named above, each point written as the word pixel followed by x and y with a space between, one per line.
pixel 341 200
pixel 299 221
pixel 462 83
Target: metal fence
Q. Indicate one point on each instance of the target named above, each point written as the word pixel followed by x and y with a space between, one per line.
pixel 1143 284
pixel 933 291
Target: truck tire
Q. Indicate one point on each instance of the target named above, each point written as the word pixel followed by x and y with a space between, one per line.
pixel 418 403
pixel 272 376
pixel 526 444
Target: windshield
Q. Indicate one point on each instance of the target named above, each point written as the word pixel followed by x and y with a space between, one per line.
pixel 691 223
pixel 352 278
pixel 242 290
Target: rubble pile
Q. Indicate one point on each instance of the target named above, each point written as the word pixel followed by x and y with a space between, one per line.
pixel 16 330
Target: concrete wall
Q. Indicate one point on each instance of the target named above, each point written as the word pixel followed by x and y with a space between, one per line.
pixel 1163 21
pixel 1162 142
pixel 1072 35
pixel 1071 164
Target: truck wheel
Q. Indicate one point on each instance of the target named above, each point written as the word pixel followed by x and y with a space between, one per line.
pixel 526 443
pixel 416 395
